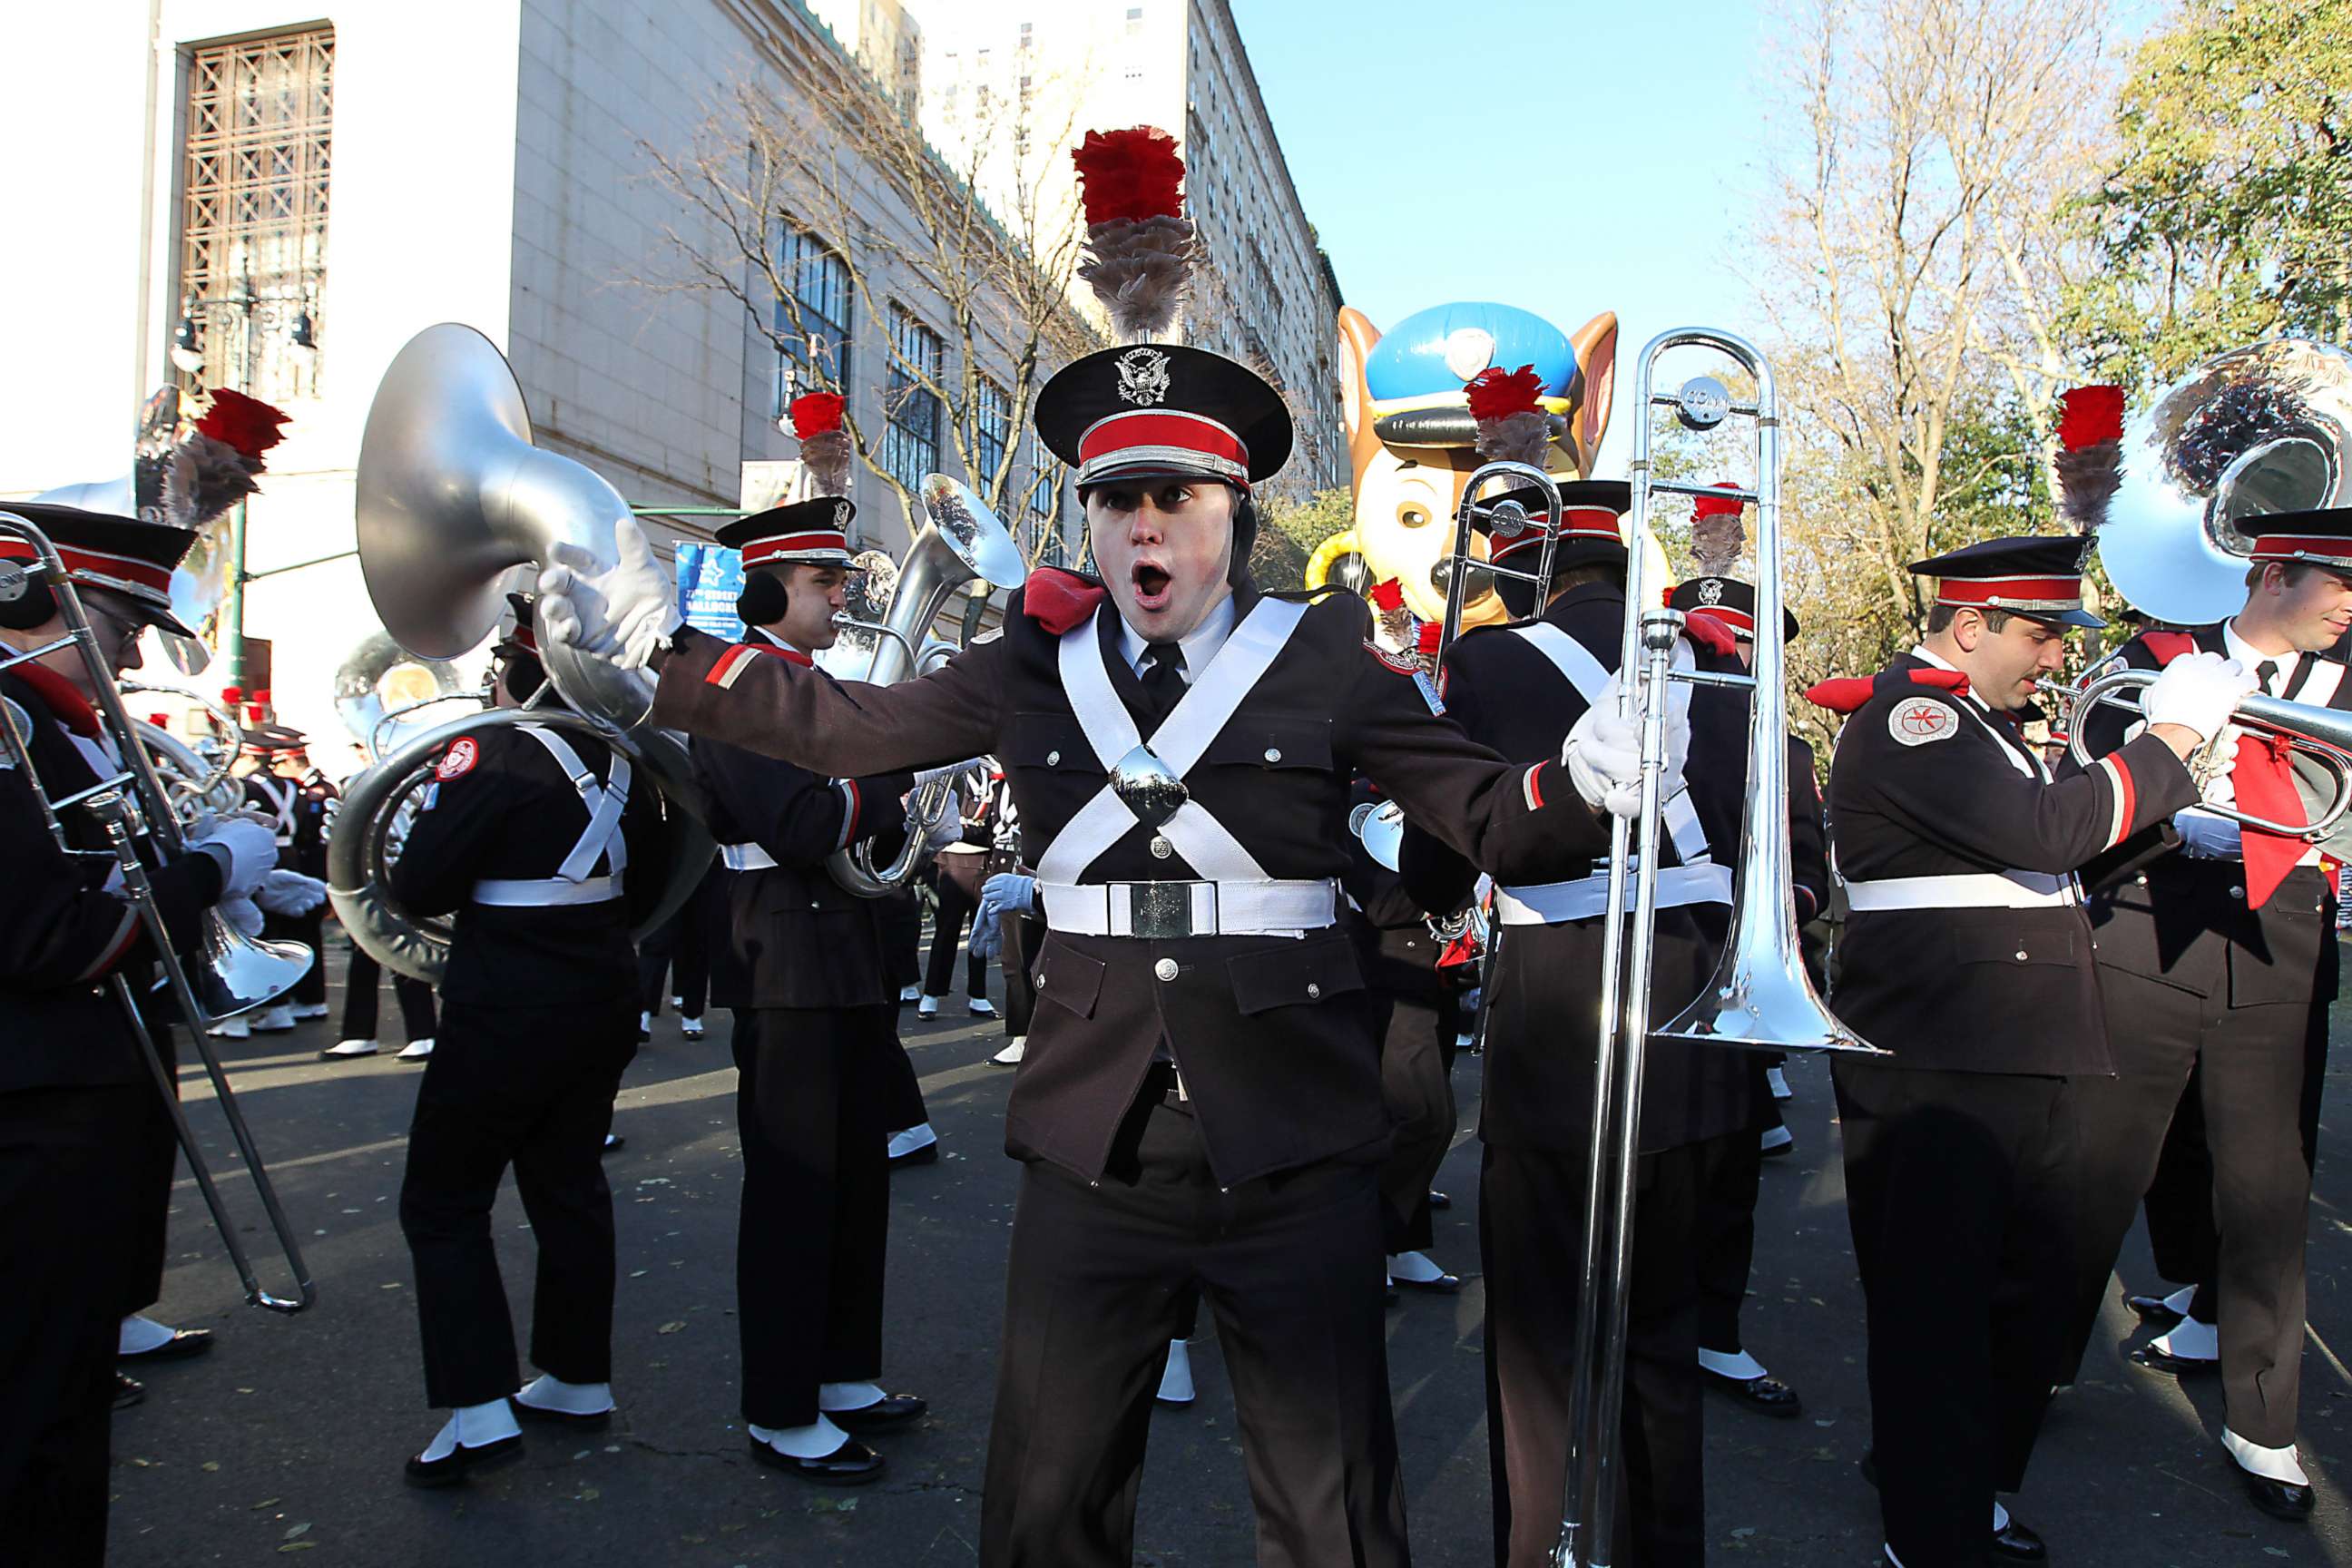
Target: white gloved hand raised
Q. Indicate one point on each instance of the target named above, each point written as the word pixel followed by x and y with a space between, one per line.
pixel 289 893
pixel 1604 755
pixel 247 853
pixel 620 614
pixel 2196 692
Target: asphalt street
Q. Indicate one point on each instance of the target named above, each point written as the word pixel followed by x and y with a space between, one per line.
pixel 288 1440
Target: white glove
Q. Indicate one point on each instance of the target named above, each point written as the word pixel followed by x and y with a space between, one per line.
pixel 1603 756
pixel 947 830
pixel 621 615
pixel 1006 892
pixel 2196 692
pixel 242 914
pixel 289 893
pixel 247 853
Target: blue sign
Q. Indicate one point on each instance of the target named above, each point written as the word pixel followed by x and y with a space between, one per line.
pixel 709 581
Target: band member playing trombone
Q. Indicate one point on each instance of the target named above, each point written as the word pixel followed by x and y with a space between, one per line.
pixel 76 1101
pixel 1968 957
pixel 1510 688
pixel 541 844
pixel 2219 960
pixel 805 965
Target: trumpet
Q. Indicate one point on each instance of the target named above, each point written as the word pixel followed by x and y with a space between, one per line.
pixel 235 973
pixel 2322 734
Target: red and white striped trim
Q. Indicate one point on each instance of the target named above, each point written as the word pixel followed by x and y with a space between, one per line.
pixel 2323 547
pixel 1575 523
pixel 729 666
pixel 850 806
pixel 2125 796
pixel 2011 592
pixel 823 544
pixel 1144 436
pixel 1531 786
pixel 101 569
pixel 116 947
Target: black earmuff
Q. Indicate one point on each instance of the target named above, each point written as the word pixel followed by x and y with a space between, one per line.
pixel 26 599
pixel 763 601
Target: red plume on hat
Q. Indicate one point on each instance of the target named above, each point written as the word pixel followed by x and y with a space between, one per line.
pixel 1512 424
pixel 216 465
pixel 1717 532
pixel 826 450
pixel 1138 241
pixel 2090 453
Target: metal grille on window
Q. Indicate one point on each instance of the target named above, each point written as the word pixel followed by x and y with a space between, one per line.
pixel 911 442
pixel 253 221
pixel 991 422
pixel 812 320
pixel 1041 531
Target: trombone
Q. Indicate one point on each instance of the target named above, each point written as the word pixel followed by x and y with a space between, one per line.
pixel 1507 519
pixel 236 972
pixel 1760 997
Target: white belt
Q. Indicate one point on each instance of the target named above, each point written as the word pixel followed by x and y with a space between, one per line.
pixel 1554 903
pixel 1965 891
pixel 745 857
pixel 545 891
pixel 1164 911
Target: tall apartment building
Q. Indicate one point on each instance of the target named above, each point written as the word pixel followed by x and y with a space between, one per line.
pixel 1009 85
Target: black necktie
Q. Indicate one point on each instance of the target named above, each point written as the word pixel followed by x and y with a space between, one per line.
pixel 2265 673
pixel 1163 681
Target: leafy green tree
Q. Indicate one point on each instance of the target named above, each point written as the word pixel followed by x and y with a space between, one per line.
pixel 1288 532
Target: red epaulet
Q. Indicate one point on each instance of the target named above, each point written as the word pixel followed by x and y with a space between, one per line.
pixel 1847 693
pixel 62 698
pixel 2168 646
pixel 1058 600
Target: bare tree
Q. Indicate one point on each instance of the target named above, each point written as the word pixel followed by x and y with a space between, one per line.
pixel 1912 267
pixel 786 195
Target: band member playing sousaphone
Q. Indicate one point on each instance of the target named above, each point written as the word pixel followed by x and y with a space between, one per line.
pixel 544 848
pixel 1199 1105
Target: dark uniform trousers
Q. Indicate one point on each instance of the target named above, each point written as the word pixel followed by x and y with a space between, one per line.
pixel 680 951
pixel 1098 1284
pixel 813 1106
pixel 2256 1069
pixel 360 1000
pixel 1954 1179
pixel 1731 1178
pixel 151 1158
pixel 1020 936
pixel 957 879
pixel 532 1087
pixel 1414 1083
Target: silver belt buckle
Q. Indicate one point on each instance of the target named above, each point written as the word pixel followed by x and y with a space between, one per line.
pixel 1162 911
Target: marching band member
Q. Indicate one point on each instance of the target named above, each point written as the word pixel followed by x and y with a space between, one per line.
pixel 1200 1101
pixel 293 794
pixel 77 1105
pixel 540 843
pixel 1511 687
pixel 1968 957
pixel 1734 1163
pixel 816 1039
pixel 957 874
pixel 2218 961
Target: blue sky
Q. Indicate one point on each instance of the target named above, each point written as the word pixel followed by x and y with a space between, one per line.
pixel 1634 129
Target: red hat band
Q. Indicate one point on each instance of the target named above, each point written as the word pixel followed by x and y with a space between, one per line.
pixel 1575 523
pixel 2325 548
pixel 1148 435
pixel 1742 624
pixel 98 568
pixel 820 544
pixel 2022 594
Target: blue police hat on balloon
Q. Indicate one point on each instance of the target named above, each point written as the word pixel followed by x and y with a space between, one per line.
pixel 1415 373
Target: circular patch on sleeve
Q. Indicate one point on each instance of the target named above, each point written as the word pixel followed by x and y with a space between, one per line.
pixel 1915 720
pixel 459 759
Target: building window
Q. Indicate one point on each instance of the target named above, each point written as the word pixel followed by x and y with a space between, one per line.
pixel 910 442
pixel 813 318
pixel 992 425
pixel 253 221
pixel 1041 531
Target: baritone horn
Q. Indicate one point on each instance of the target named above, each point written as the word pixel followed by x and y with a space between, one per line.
pixel 961 542
pixel 229 974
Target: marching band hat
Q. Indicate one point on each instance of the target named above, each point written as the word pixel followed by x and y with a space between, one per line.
pixel 121 554
pixel 2320 538
pixel 1729 601
pixel 1591 514
pixel 271 740
pixel 2039 577
pixel 1417 372
pixel 1163 410
pixel 815 532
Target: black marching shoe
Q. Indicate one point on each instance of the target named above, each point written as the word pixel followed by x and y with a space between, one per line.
pixel 184 1343
pixel 462 1461
pixel 2154 1309
pixel 2147 1358
pixel 851 1465
pixel 127 1391
pixel 1766 1396
pixel 2015 1542
pixel 889 1411
pixel 2280 1500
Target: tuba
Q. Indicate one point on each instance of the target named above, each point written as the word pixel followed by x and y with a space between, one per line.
pixel 961 542
pixel 451 495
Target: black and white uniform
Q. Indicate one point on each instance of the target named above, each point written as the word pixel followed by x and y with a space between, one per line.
pixel 2204 993
pixel 297 811
pixel 540 843
pixel 1520 688
pixel 1967 956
